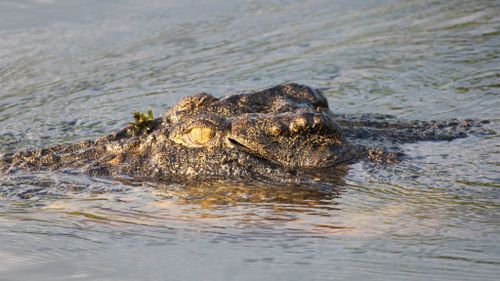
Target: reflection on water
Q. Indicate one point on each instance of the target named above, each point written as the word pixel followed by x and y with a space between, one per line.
pixel 72 70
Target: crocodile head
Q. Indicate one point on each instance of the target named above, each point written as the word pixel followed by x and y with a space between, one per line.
pixel 273 133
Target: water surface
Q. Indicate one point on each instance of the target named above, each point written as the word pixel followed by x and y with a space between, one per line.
pixel 73 70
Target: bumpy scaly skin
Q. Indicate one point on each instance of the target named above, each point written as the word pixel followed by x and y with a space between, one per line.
pixel 280 134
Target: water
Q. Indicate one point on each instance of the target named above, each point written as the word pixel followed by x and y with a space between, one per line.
pixel 73 70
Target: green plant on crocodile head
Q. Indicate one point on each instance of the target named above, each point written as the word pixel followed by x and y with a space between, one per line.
pixel 143 121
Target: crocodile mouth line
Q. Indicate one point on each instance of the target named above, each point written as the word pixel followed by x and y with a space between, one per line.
pixel 240 146
pixel 244 148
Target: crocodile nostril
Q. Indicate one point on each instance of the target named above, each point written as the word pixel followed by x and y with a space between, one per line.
pixel 276 130
pixel 318 122
pixel 298 124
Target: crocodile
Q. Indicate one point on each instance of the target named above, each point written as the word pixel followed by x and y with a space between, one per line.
pixel 281 134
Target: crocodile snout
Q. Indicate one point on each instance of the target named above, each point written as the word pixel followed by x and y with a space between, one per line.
pixel 305 139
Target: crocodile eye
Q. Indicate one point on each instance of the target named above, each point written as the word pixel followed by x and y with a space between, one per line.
pixel 200 135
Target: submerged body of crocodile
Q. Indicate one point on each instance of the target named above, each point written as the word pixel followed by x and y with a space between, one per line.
pixel 280 134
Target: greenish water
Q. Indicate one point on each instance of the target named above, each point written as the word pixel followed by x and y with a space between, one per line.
pixel 73 70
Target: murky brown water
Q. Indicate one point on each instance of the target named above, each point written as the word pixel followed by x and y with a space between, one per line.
pixel 72 70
